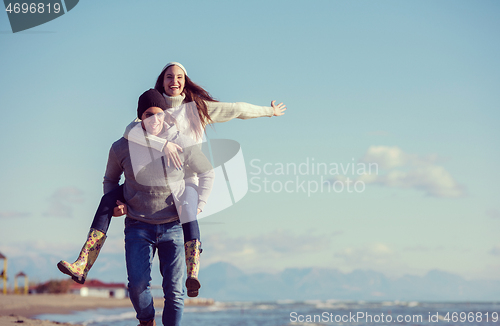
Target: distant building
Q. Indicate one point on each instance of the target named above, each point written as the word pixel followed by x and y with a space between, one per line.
pixel 96 288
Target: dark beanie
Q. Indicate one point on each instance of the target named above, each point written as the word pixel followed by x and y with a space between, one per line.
pixel 149 99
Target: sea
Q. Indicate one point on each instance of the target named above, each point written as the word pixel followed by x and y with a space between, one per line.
pixel 284 313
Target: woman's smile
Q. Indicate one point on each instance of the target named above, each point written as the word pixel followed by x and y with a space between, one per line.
pixel 174 81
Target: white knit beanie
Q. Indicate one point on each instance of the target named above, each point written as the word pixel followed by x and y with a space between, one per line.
pixel 175 64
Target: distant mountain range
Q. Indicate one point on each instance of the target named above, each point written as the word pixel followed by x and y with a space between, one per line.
pixel 225 282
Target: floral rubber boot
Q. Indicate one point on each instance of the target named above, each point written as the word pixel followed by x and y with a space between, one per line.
pixel 88 255
pixel 192 249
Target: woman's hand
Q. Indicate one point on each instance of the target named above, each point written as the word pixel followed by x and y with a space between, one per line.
pixel 171 153
pixel 120 209
pixel 278 109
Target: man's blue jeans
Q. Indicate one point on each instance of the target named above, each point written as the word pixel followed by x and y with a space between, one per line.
pixel 142 240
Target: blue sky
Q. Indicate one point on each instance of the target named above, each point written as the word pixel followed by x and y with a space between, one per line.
pixel 411 86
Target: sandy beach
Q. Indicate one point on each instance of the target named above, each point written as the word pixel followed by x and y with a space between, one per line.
pixel 20 309
pixel 17 309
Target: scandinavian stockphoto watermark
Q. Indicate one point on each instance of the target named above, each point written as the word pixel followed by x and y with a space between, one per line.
pixel 24 14
pixel 309 177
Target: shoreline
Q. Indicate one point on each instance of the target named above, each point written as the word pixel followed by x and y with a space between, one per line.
pixel 37 304
pixel 16 308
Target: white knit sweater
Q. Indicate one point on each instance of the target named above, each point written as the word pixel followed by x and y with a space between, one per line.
pixel 218 112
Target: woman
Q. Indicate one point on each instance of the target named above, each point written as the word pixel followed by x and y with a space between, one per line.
pixel 152 191
pixel 193 108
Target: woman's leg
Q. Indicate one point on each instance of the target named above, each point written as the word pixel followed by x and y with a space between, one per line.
pixel 189 202
pixel 95 239
pixel 104 213
pixel 192 244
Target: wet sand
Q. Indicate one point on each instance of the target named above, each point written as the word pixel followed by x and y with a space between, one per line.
pixel 17 309
pixel 20 309
pixel 16 320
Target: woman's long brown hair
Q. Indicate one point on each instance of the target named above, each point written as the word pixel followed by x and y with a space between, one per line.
pixel 194 93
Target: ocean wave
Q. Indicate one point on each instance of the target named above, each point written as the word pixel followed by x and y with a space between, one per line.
pixel 110 318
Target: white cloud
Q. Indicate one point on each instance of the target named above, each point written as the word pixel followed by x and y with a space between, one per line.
pixel 375 256
pixel 432 179
pixel 409 171
pixel 385 157
pixel 62 200
pixel 274 248
pixel 388 157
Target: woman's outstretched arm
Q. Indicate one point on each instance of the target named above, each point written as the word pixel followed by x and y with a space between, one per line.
pixel 222 112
